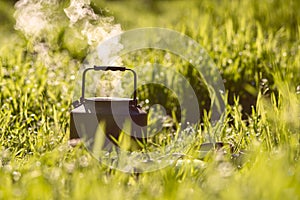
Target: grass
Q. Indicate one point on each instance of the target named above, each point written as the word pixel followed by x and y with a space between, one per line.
pixel 256 47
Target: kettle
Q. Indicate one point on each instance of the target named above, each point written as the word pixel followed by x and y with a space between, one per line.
pixel 114 112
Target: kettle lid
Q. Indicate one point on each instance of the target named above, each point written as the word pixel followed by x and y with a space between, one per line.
pixel 107 99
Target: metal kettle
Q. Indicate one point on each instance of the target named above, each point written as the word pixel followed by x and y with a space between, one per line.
pixel 114 112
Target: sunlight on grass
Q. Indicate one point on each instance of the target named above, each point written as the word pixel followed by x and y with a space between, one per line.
pixel 256 47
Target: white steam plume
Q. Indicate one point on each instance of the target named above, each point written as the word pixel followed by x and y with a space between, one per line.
pixel 41 21
pixel 80 12
pixel 32 17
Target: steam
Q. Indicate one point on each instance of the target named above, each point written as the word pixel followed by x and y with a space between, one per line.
pixel 78 10
pixel 42 22
pixel 32 18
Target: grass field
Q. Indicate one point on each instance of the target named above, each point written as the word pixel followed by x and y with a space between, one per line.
pixel 256 46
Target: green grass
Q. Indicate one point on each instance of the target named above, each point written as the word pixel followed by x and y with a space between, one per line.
pixel 256 46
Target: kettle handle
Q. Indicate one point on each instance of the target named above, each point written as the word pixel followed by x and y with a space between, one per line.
pixel 108 68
